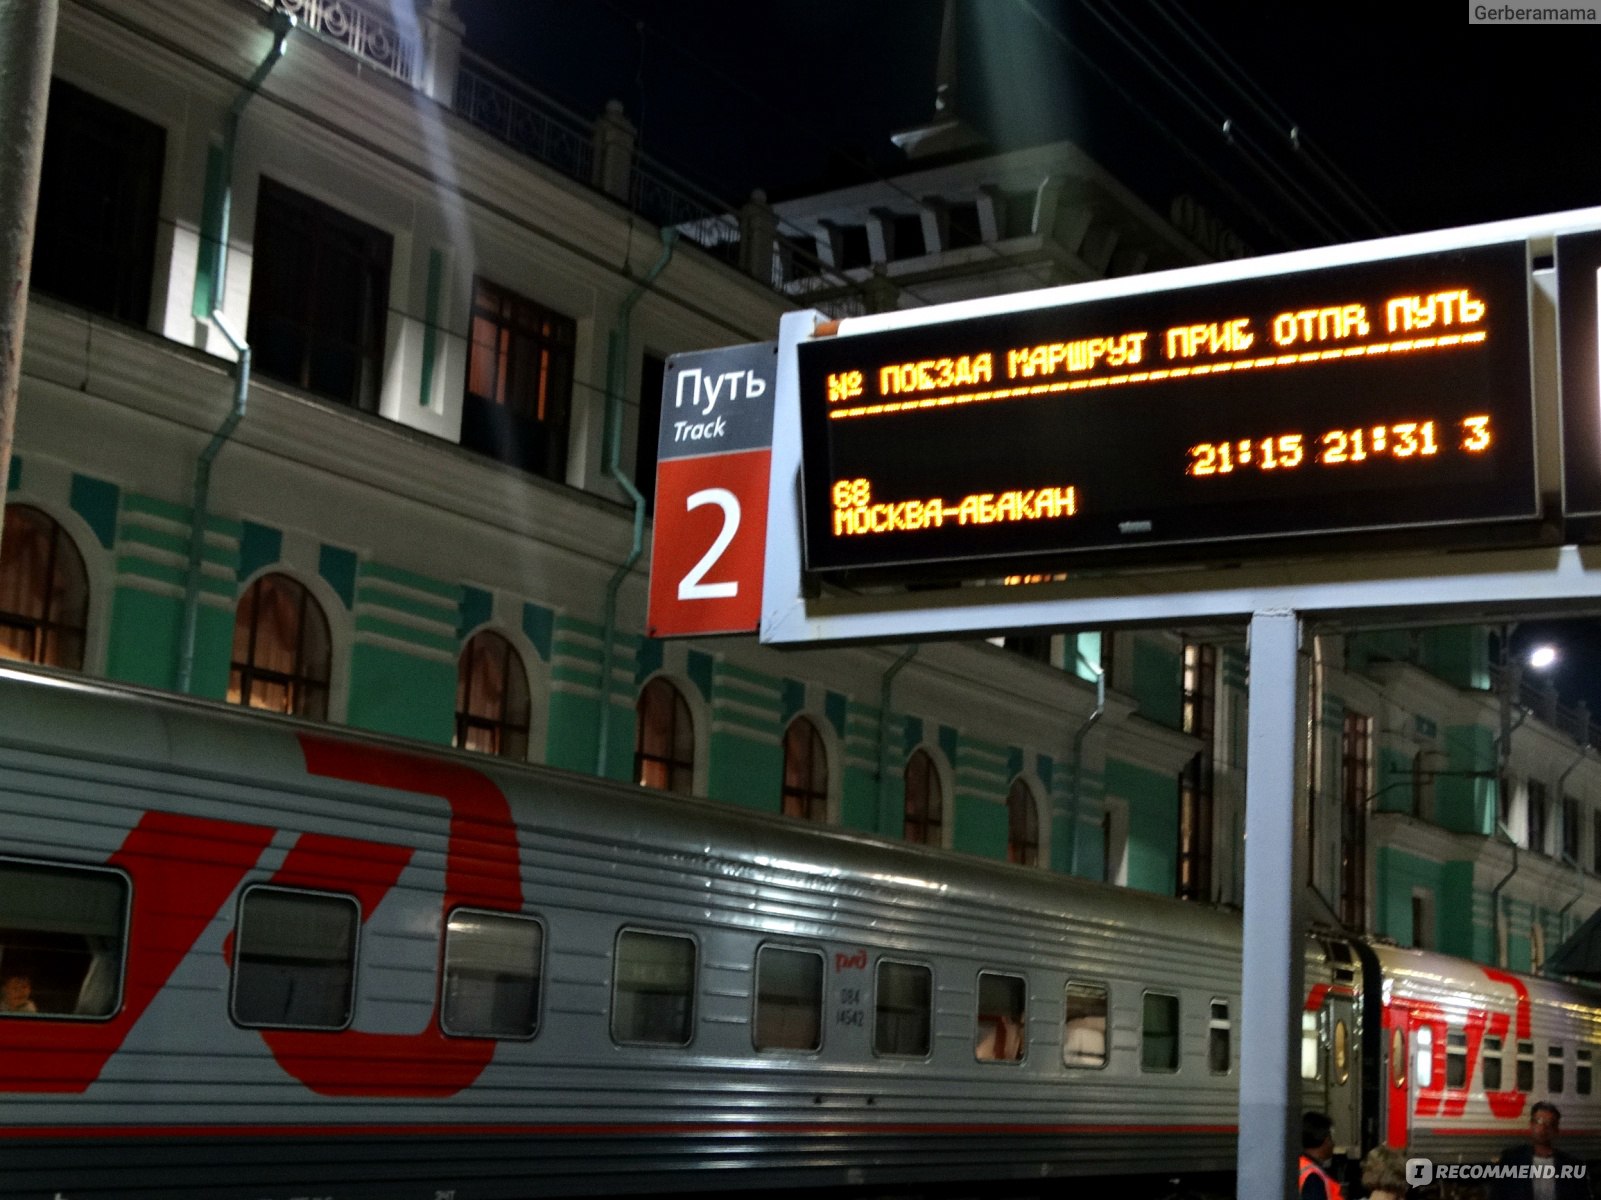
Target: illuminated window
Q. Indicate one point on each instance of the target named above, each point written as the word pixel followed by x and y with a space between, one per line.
pixel 280 650
pixel 492 698
pixel 44 591
pixel 1084 1033
pixel 319 297
pixel 925 804
pixel 1311 1046
pixel 664 739
pixel 519 381
pixel 1022 825
pixel 61 940
pixel 805 772
pixel 999 1031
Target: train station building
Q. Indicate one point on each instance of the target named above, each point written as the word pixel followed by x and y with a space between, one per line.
pixel 414 516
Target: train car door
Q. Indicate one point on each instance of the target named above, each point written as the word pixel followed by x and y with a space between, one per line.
pixel 1339 1028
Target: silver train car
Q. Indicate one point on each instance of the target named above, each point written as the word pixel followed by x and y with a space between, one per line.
pixel 245 958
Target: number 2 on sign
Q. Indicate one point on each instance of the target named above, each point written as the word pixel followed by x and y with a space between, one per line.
pixel 690 586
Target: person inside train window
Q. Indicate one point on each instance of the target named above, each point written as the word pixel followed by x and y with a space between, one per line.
pixel 1317 1152
pixel 16 994
pixel 1384 1173
pixel 1548 1183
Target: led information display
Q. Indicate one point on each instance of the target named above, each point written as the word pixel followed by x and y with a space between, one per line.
pixel 1349 399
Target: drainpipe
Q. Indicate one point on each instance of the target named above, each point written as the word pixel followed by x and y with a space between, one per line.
pixel 281 24
pixel 883 729
pixel 616 373
pixel 1075 769
pixel 1495 892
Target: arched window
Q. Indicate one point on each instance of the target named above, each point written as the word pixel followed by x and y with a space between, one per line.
pixel 492 697
pixel 44 591
pixel 1022 825
pixel 925 806
pixel 280 650
pixel 664 739
pixel 805 772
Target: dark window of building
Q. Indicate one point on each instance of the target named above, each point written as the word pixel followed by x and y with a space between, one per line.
pixel 664 739
pixel 319 295
pixel 854 250
pixel 1356 784
pixel 44 591
pixel 805 772
pixel 61 940
pixel 519 381
pixel 1022 825
pixel 94 242
pixel 280 650
pixel 651 374
pixel 1036 646
pixel 492 698
pixel 1595 841
pixel 1570 828
pixel 962 228
pixel 1195 781
pixel 1539 816
pixel 295 964
pixel 1422 786
pixel 906 236
pixel 925 804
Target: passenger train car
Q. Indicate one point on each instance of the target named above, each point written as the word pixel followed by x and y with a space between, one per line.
pixel 253 959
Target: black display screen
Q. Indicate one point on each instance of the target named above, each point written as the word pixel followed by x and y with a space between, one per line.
pixel 1347 399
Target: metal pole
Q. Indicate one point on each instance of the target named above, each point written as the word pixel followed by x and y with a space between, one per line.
pixel 27 46
pixel 1273 970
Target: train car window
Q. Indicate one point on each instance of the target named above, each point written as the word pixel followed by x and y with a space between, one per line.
pixel 1218 1033
pixel 1002 1000
pixel 653 995
pixel 1456 1058
pixel 789 999
pixel 1397 1058
pixel 1423 1055
pixel 62 933
pixel 1311 1047
pixel 1159 1033
pixel 1342 1052
pixel 1084 1037
pixel 1554 1070
pixel 492 974
pixel 295 961
pixel 904 997
pixel 1581 1072
pixel 1492 1064
pixel 1525 1066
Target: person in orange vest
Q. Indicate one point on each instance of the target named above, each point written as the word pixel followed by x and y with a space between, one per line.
pixel 1317 1149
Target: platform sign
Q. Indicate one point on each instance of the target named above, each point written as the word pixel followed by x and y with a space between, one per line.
pixel 1243 415
pixel 1578 262
pixel 714 458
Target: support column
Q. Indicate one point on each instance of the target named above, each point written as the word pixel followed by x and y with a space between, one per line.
pixel 27 48
pixel 1273 970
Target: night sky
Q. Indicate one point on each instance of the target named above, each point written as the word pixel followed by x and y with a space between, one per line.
pixel 1409 118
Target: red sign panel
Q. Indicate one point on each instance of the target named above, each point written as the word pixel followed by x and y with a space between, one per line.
pixel 714 461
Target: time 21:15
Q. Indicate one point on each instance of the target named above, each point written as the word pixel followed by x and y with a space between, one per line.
pixel 1337 447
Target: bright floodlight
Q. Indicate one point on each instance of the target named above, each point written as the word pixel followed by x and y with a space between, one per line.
pixel 1542 657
